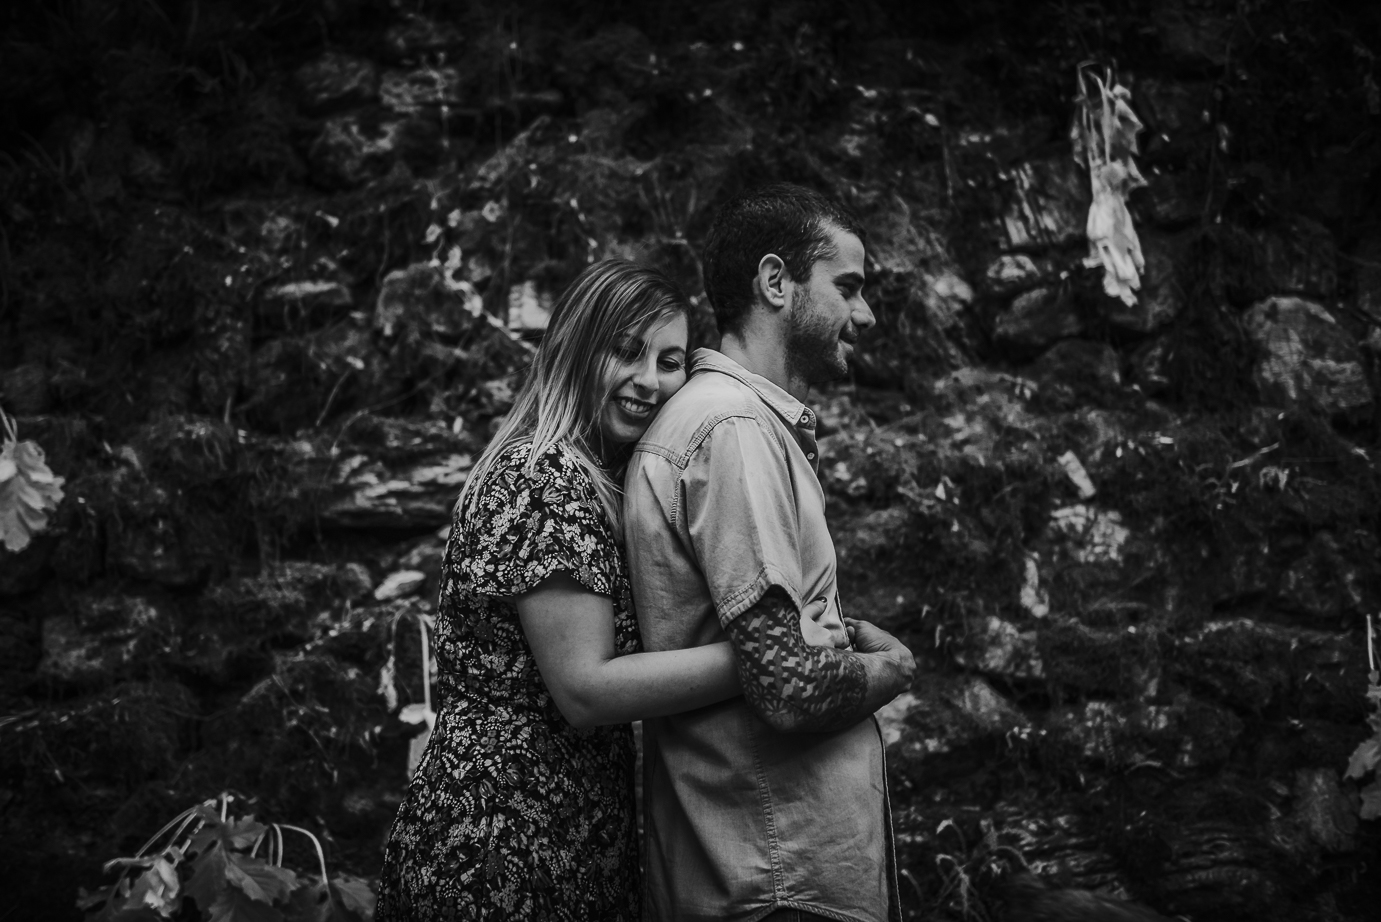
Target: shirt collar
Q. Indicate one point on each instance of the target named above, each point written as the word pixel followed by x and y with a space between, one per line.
pixel 791 410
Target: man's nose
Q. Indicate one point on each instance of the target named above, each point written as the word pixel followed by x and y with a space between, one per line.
pixel 862 315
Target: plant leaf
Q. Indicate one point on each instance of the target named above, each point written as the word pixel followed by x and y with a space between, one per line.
pixel 235 905
pixel 308 903
pixel 353 894
pixel 28 493
pixel 208 879
pixel 157 889
pixel 1364 758
pixel 243 833
pixel 258 879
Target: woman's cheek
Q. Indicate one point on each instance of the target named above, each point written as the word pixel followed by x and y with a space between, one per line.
pixel 671 383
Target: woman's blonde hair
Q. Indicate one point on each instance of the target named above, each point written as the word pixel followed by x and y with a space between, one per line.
pixel 561 400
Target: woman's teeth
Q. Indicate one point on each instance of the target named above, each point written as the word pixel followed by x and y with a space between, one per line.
pixel 633 407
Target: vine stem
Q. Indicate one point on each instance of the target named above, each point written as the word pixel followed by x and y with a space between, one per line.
pixel 320 855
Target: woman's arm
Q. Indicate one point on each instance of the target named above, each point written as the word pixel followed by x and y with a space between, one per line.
pixel 571 632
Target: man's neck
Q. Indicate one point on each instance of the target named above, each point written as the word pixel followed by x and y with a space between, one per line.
pixel 766 356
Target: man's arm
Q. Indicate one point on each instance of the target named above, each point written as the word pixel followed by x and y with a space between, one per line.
pixel 798 688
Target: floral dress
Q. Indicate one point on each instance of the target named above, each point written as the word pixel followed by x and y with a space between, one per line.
pixel 512 812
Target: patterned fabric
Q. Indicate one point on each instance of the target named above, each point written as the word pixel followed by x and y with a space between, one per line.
pixel 513 813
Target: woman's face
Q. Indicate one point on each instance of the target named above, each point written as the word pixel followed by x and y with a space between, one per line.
pixel 641 373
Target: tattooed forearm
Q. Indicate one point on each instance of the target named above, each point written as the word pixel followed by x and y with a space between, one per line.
pixel 794 687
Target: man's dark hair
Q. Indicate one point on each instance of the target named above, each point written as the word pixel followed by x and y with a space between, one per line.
pixel 791 221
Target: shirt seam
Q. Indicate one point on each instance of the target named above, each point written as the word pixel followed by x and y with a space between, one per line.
pixel 769 817
pixel 744 598
pixel 787 902
pixel 693 445
pixel 738 372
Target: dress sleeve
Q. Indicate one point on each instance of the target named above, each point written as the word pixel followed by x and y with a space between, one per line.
pixel 528 526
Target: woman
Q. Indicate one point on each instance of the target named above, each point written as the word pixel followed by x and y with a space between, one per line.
pixel 521 807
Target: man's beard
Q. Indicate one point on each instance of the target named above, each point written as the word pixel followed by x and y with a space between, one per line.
pixel 812 344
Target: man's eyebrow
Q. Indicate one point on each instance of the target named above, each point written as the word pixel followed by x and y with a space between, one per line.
pixel 849 278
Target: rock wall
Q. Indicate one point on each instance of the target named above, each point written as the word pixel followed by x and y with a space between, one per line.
pixel 271 275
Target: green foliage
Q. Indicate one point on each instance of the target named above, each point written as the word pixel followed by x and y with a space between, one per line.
pixel 210 859
pixel 1366 759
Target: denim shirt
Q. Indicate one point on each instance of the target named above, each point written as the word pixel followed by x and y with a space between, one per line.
pixel 722 502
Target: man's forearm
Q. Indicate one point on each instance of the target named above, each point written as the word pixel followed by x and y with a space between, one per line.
pixel 796 687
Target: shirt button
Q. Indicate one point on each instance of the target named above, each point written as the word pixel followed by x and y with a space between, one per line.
pixel 810 456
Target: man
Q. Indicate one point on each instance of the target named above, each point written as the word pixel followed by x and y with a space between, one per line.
pixel 773 805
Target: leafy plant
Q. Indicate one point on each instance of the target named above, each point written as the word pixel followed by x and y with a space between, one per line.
pixel 211 860
pixel 968 875
pixel 1366 758
pixel 28 489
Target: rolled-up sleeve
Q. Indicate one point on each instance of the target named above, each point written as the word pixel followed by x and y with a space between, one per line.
pixel 739 510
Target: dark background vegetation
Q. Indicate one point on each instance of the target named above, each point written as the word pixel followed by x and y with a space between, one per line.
pixel 202 614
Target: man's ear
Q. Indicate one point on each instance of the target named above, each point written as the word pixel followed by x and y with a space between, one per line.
pixel 773 281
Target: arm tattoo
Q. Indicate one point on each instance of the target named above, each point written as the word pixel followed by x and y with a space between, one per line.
pixel 792 686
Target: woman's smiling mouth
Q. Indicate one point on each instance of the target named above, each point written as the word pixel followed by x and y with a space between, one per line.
pixel 637 409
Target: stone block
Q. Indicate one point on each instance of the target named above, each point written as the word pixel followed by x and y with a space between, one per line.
pixel 1150 366
pixel 1088 371
pixel 1327 815
pixel 421 89
pixel 946 726
pixel 417 38
pixel 1298 257
pixel 414 497
pixel 1046 204
pixel 1306 356
pixel 1171 199
pixel 358 147
pixel 1038 318
pixel 1367 259
pixel 336 81
pixel 1160 299
pixel 1184 734
pixel 1177 115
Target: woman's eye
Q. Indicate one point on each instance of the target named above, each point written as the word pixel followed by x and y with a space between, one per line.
pixel 627 354
pixel 671 365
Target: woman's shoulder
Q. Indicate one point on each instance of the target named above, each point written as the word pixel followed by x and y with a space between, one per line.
pixel 555 468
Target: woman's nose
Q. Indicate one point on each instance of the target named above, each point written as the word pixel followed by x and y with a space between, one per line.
pixel 645 375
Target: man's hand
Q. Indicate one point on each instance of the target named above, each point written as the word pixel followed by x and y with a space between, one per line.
pixel 899 665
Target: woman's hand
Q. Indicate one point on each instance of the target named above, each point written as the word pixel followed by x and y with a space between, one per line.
pixel 817 634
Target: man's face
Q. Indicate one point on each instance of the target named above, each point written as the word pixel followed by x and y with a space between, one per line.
pixel 828 313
